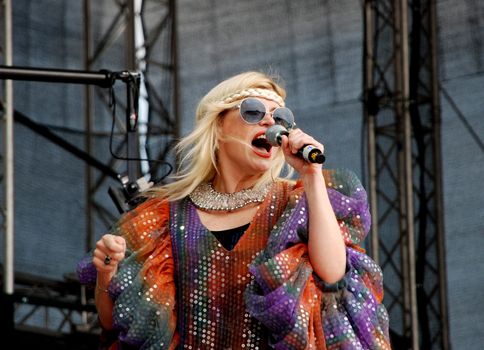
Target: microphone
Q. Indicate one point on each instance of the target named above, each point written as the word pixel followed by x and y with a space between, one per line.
pixel 309 153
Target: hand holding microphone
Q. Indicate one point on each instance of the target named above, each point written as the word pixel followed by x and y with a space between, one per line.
pixel 309 153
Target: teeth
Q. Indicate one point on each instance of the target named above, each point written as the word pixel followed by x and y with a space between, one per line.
pixel 262 136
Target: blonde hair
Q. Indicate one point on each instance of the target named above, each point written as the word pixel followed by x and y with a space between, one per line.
pixel 198 150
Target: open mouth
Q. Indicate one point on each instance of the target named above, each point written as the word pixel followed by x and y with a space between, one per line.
pixel 260 142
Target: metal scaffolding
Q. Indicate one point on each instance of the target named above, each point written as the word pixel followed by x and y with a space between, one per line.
pixel 403 122
pixel 149 47
pixel 144 32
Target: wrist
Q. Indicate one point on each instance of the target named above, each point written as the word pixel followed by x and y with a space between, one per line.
pixel 313 177
pixel 101 289
pixel 102 282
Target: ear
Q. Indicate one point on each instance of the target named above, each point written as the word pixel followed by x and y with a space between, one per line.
pixel 219 128
pixel 218 132
pixel 221 118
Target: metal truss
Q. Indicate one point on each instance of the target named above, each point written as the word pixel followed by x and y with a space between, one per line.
pixel 57 307
pixel 143 32
pixel 403 123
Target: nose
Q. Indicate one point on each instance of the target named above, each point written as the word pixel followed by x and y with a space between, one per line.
pixel 268 119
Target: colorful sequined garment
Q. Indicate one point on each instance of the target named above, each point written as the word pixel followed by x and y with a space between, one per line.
pixel 300 310
pixel 261 294
pixel 212 281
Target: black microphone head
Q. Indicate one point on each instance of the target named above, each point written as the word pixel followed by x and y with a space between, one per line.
pixel 274 134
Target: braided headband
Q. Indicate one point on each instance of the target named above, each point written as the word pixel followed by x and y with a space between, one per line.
pixel 255 92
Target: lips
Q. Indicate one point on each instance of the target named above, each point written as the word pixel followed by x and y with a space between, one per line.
pixel 261 146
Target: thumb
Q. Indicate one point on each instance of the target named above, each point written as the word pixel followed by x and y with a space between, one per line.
pixel 120 240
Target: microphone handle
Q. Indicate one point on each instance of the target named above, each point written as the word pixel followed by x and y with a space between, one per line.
pixel 312 154
pixel 309 153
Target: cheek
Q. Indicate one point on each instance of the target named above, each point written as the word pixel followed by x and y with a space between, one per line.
pixel 232 126
pixel 232 123
pixel 234 132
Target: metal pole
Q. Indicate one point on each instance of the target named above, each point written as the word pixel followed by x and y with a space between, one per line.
pixel 8 275
pixel 88 113
pixel 408 171
pixel 131 118
pixel 400 139
pixel 438 179
pixel 174 52
pixel 370 119
pixel 102 78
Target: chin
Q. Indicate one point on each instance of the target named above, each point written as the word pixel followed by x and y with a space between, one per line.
pixel 262 167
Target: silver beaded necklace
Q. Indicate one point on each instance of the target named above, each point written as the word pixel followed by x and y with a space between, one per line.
pixel 205 197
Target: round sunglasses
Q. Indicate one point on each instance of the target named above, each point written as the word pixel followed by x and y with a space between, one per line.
pixel 253 111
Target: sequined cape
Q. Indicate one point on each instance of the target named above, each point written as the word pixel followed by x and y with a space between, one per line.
pixel 296 309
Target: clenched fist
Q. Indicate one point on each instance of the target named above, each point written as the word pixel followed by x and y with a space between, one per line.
pixel 110 251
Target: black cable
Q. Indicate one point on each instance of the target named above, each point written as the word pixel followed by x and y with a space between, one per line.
pixel 112 106
pixel 45 131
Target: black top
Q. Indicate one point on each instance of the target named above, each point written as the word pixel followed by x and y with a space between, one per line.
pixel 229 238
